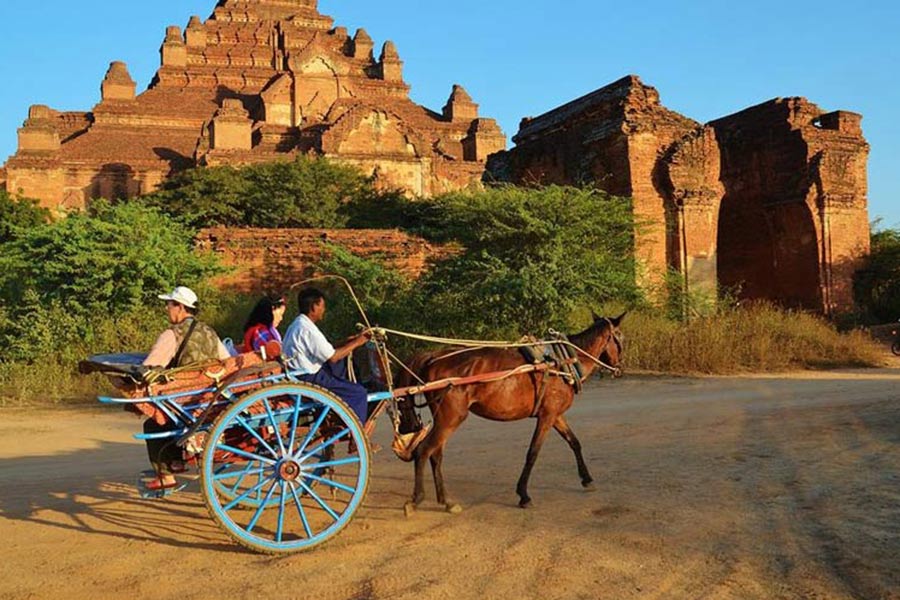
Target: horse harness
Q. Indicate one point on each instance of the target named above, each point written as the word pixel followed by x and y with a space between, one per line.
pixel 564 363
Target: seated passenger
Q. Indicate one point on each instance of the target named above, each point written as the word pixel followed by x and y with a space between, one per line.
pixel 262 325
pixel 186 342
pixel 307 349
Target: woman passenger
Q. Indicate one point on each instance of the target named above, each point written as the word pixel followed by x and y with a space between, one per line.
pixel 262 325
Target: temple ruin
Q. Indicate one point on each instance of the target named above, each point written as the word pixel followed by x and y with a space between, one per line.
pixel 769 202
pixel 259 80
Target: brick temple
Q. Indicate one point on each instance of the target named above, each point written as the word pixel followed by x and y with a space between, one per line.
pixel 770 201
pixel 259 80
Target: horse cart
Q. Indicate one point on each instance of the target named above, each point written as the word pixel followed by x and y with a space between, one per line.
pixel 283 465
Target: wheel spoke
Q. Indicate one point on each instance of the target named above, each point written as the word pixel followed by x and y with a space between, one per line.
pixel 294 417
pixel 323 445
pixel 333 484
pixel 300 510
pixel 246 494
pixel 237 484
pixel 312 431
pixel 242 473
pixel 319 501
pixel 338 463
pixel 258 437
pixel 280 528
pixel 245 454
pixel 262 507
pixel 275 426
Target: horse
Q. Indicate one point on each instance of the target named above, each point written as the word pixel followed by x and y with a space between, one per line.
pixel 537 394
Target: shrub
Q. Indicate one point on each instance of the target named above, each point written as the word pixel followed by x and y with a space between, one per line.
pixel 531 256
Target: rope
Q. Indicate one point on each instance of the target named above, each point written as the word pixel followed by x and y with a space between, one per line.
pixel 475 344
pixel 380 334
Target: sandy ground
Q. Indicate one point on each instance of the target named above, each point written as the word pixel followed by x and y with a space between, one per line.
pixel 758 487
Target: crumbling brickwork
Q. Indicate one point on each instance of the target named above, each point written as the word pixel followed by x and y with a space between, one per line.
pixel 263 260
pixel 259 80
pixel 769 202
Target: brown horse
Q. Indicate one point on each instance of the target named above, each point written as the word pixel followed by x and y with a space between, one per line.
pixel 544 396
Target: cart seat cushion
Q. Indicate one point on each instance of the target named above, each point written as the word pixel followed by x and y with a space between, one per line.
pixel 129 363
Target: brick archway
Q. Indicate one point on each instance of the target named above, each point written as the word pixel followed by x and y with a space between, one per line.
pixel 769 252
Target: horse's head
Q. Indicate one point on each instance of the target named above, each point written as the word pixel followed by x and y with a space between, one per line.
pixel 609 341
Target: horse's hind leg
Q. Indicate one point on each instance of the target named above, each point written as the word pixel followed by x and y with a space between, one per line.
pixel 562 427
pixel 537 440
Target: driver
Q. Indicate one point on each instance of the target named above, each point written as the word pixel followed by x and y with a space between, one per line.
pixel 307 349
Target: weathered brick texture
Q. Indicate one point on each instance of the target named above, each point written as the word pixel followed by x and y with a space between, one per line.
pixel 259 80
pixel 274 259
pixel 770 202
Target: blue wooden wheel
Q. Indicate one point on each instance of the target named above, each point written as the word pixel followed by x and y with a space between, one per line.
pixel 285 468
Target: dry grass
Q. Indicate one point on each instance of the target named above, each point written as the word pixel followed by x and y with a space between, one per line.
pixel 758 338
pixel 754 339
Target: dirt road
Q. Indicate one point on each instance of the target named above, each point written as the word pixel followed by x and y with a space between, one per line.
pixel 707 488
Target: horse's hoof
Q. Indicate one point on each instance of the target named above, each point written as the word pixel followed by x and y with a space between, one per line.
pixel 409 509
pixel 589 486
pixel 525 503
pixel 454 509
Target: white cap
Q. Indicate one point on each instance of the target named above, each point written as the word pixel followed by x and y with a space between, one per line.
pixel 181 295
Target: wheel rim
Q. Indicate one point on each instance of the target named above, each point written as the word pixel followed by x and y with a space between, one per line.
pixel 285 468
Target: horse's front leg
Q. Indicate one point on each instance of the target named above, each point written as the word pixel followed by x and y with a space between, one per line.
pixel 537 440
pixel 562 427
pixel 448 416
pixel 437 460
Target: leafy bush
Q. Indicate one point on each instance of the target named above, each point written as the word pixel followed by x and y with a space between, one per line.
pixel 57 278
pixel 307 192
pixel 17 215
pixel 876 286
pixel 530 257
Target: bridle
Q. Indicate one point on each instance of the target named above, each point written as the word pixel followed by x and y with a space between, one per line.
pixel 617 337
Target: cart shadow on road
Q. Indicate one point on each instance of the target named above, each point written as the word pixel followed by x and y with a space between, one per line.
pixel 83 491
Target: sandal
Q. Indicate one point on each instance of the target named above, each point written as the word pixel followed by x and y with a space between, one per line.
pixel 158 485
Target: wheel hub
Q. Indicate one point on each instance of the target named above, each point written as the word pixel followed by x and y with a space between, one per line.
pixel 289 470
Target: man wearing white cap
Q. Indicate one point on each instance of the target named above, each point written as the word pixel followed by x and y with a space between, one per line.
pixel 187 341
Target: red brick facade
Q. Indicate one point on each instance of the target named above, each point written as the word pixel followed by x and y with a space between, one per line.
pixel 260 80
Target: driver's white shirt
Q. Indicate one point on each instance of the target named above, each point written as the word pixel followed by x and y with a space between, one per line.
pixel 305 346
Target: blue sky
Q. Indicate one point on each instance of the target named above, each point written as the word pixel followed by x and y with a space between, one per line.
pixel 520 58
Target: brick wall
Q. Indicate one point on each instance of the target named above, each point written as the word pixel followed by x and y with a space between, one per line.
pixel 274 259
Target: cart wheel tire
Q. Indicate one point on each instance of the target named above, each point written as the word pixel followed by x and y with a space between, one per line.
pixel 895 348
pixel 285 468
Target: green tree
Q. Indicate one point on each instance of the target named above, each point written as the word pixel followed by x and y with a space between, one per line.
pixel 307 192
pixel 17 215
pixel 527 259
pixel 876 286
